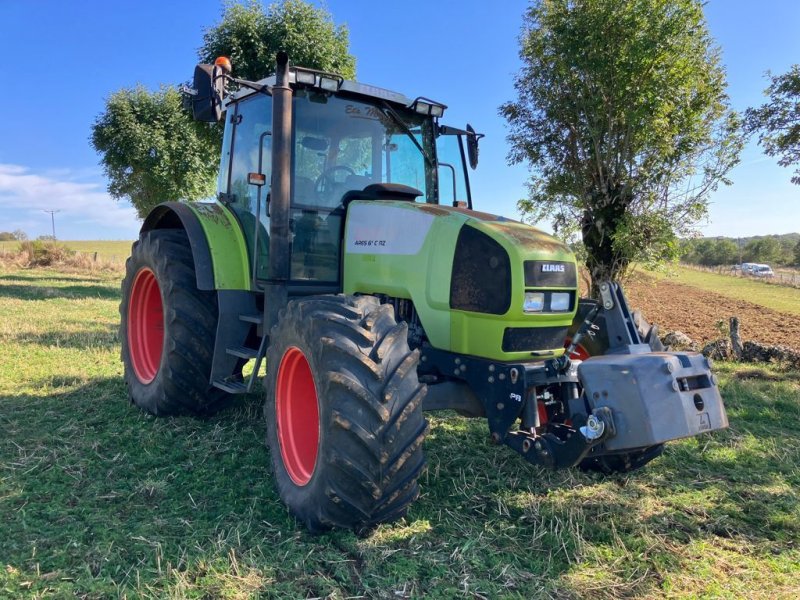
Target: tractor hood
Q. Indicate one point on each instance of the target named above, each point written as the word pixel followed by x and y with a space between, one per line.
pixel 481 284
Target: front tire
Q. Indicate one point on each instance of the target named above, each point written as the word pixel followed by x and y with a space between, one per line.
pixel 167 328
pixel 344 412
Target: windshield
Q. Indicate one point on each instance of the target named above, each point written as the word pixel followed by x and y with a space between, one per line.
pixel 345 144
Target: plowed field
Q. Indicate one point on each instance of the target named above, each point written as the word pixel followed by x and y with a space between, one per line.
pixel 695 312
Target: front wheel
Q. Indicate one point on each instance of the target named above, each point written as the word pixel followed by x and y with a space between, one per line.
pixel 344 412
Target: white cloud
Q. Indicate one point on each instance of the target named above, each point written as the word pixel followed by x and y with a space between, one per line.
pixel 86 211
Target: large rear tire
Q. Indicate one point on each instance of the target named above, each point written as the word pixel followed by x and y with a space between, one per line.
pixel 167 328
pixel 344 412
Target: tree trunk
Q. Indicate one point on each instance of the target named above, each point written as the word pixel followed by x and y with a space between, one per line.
pixel 602 217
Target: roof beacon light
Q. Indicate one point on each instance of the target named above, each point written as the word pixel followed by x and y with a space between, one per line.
pixel 224 63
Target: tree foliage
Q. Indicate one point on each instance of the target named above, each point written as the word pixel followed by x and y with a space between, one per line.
pixel 778 121
pixel 773 250
pixel 622 114
pixel 16 235
pixel 151 149
pixel 251 37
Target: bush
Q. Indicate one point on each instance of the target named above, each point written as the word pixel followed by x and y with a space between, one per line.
pixel 45 253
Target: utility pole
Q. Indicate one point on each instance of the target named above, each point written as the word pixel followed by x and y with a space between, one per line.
pixel 53 220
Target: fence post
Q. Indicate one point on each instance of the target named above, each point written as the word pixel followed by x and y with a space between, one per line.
pixel 736 340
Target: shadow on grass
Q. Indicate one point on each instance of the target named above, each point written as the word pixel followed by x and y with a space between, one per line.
pixel 39 276
pixel 69 292
pixel 100 499
pixel 103 336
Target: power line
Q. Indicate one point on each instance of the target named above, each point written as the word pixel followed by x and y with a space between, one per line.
pixel 53 220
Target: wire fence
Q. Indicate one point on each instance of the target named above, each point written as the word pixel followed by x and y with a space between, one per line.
pixel 785 277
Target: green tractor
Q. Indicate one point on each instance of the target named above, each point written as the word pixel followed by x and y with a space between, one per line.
pixel 343 250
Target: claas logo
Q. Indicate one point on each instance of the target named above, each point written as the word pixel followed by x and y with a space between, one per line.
pixel 551 268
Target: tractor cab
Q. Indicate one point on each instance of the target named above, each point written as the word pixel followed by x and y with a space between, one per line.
pixel 347 141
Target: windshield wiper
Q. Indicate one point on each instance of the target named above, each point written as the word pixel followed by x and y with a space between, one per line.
pixel 392 114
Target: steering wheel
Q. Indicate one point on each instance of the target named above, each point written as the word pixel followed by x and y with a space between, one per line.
pixel 327 179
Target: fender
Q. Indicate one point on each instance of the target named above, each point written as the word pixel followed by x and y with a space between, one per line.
pixel 215 236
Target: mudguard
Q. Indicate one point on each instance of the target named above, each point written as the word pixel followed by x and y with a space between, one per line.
pixel 216 238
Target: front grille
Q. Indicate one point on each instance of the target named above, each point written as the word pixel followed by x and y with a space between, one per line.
pixel 546 273
pixel 481 278
pixel 533 339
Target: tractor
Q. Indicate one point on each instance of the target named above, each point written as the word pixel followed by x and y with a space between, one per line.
pixel 343 254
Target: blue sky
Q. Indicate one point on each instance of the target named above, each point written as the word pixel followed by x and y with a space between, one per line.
pixel 62 59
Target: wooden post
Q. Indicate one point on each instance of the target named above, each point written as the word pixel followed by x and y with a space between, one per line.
pixel 736 340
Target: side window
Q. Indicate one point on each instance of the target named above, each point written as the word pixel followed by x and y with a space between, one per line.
pixel 452 182
pixel 253 120
pixel 401 163
pixel 251 153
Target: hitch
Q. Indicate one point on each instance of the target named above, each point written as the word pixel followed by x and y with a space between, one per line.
pixel 564 446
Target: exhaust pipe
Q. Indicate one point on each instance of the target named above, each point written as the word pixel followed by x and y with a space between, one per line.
pixel 276 295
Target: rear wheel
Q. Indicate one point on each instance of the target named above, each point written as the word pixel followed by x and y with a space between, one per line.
pixel 167 328
pixel 344 412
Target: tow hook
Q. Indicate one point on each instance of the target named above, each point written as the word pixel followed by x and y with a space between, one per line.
pixel 564 446
pixel 600 422
pixel 593 429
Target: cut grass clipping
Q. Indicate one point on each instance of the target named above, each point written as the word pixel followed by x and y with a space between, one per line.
pixel 98 500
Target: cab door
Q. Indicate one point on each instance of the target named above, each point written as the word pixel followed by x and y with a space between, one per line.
pixel 247 149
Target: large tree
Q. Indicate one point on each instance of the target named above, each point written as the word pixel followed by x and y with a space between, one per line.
pixel 778 121
pixel 151 149
pixel 622 115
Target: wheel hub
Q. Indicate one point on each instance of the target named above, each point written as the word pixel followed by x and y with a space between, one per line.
pixel 297 412
pixel 145 326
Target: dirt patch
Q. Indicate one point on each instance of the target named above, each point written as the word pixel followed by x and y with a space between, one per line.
pixel 695 312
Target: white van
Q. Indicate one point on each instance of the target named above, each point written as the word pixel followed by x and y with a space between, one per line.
pixel 763 271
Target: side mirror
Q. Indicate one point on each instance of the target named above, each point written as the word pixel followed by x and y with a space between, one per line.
pixel 472 146
pixel 208 93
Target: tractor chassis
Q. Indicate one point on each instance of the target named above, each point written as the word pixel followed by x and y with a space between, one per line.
pixel 506 392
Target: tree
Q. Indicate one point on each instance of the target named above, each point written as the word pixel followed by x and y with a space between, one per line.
pixel 762 250
pixel 796 253
pixel 621 113
pixel 151 149
pixel 778 121
pixel 251 37
pixel 20 235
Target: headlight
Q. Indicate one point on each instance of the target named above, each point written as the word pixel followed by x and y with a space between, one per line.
pixel 534 302
pixel 560 302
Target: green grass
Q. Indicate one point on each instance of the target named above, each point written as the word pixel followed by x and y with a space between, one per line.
pixel 98 500
pixel 777 297
pixel 116 251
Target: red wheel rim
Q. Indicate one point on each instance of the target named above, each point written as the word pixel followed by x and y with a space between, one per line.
pixel 580 352
pixel 298 416
pixel 145 326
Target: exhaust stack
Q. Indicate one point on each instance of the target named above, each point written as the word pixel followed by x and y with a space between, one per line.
pixel 279 241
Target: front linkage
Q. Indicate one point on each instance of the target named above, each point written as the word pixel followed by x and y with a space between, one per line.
pixel 631 399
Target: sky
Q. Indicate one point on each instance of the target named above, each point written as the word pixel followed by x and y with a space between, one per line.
pixel 63 59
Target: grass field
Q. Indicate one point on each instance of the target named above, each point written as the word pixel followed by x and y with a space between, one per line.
pixel 780 298
pixel 98 500
pixel 116 251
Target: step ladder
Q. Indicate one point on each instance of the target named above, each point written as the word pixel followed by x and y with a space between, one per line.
pixel 235 384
